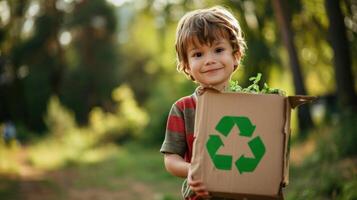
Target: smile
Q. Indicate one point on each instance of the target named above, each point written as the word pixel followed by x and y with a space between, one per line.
pixel 212 70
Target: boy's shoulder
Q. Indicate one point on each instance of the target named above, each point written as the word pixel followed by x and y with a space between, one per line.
pixel 186 102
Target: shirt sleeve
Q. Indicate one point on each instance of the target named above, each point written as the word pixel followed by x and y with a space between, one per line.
pixel 175 136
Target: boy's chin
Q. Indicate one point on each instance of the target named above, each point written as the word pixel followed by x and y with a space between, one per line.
pixel 215 84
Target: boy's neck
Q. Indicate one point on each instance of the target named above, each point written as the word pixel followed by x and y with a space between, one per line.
pixel 220 87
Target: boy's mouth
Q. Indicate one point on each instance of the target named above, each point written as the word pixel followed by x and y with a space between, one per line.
pixel 212 69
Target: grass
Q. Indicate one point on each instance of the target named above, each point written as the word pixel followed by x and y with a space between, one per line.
pixel 130 171
pixel 322 180
pixel 130 166
pixel 7 188
pixel 325 172
pixel 130 163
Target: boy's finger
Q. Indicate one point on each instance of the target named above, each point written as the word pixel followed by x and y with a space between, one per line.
pixel 200 189
pixel 204 195
pixel 194 183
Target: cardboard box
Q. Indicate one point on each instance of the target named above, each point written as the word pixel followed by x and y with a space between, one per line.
pixel 241 143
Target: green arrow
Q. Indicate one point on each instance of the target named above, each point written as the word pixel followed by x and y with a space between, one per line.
pixel 246 128
pixel 223 162
pixel 245 164
pixel 226 124
pixel 213 144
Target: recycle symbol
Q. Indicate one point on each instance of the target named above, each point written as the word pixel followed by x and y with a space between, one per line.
pixel 246 128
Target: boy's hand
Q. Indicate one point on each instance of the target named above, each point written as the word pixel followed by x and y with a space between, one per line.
pixel 197 186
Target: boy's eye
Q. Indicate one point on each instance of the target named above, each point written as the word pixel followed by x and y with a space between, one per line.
pixel 219 49
pixel 197 54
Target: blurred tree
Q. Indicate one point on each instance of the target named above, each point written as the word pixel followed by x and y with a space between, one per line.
pixel 346 133
pixel 12 101
pixel 40 61
pixel 342 60
pixel 35 65
pixel 93 73
pixel 283 19
pixel 255 18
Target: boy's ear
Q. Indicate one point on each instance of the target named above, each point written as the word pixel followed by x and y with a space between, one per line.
pixel 188 72
pixel 187 68
pixel 236 58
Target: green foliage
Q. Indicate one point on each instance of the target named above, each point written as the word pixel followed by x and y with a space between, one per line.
pixel 58 118
pixel 341 135
pixel 8 165
pixel 346 134
pixel 324 173
pixel 349 190
pixel 126 123
pixel 71 144
pixel 254 87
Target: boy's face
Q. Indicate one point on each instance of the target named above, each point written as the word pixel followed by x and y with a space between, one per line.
pixel 211 65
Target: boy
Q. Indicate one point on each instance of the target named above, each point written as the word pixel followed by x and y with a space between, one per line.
pixel 209 46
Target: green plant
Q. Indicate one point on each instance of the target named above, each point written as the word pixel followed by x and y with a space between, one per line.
pixel 254 87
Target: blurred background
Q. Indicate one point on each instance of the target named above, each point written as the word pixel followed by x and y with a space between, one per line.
pixel 86 86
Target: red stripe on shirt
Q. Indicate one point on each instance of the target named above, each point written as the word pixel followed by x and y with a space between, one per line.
pixel 186 102
pixel 176 124
pixel 189 140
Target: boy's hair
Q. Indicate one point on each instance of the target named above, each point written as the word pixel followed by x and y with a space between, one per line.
pixel 206 26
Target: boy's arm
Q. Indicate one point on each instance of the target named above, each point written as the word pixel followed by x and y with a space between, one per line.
pixel 176 165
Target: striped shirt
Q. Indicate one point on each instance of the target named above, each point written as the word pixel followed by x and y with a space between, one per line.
pixel 180 127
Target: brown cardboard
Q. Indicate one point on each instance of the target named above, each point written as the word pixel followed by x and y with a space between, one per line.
pixel 270 114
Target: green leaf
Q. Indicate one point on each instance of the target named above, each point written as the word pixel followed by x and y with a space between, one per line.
pixel 254 87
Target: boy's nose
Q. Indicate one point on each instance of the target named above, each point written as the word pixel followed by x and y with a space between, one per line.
pixel 210 60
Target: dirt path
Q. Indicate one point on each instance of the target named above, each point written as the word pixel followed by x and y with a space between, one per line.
pixel 35 184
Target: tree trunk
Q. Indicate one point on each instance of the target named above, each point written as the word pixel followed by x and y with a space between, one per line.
pixel 283 19
pixel 342 60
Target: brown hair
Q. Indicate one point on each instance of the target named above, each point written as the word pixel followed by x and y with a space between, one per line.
pixel 207 25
